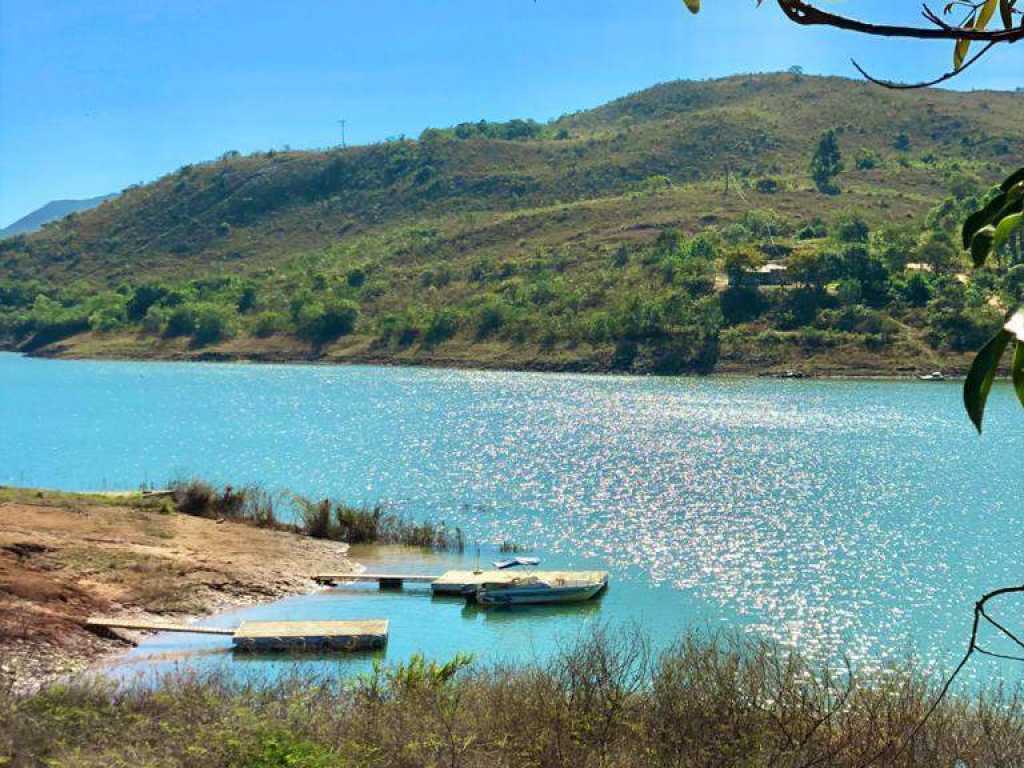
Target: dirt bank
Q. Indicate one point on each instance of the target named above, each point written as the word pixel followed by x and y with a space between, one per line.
pixel 739 355
pixel 66 556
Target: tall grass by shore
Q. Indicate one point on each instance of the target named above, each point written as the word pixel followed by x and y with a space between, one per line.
pixel 323 519
pixel 606 702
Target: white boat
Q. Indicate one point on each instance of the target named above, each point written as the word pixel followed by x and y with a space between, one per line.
pixel 933 376
pixel 532 590
pixel 514 561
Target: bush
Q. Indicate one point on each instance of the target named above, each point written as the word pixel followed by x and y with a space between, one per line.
pixel 604 700
pixel 442 326
pixel 269 323
pixel 324 322
pixel 851 228
pixel 490 318
pixel 767 186
pixel 315 517
pixel 213 323
pixel 356 277
pixel 741 304
pixel 155 320
pixel 181 322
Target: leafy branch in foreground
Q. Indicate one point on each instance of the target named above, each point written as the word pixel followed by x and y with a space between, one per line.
pixel 973 27
pixel 984 233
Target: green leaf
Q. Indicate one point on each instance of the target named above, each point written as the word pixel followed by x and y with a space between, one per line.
pixel 979 219
pixel 987 12
pixel 982 374
pixel 1012 180
pixel 981 244
pixel 693 5
pixel 1006 228
pixel 1018 370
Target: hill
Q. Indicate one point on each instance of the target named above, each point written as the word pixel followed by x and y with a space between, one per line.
pixel 598 241
pixel 52 211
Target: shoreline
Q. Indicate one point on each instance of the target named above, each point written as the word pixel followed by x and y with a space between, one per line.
pixel 955 368
pixel 65 556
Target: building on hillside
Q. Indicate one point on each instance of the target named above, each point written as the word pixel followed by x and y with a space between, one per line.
pixel 771 273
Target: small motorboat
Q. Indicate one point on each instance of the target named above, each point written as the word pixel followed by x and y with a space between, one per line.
pixel 534 590
pixel 512 562
pixel 933 376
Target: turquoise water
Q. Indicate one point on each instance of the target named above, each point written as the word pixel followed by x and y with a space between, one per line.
pixel 857 518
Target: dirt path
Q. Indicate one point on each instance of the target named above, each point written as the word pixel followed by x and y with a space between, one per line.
pixel 66 556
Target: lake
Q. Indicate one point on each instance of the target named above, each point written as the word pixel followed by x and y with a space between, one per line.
pixel 837 517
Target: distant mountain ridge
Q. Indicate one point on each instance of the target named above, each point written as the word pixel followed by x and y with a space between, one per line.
pixel 52 211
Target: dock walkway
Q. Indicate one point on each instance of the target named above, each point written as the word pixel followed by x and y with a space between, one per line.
pixel 455 582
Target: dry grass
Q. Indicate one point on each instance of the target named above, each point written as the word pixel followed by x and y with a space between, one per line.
pixel 607 701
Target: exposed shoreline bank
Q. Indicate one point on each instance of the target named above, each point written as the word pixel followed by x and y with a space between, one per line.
pixel 832 364
pixel 65 556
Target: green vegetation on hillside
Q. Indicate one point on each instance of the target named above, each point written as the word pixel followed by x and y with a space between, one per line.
pixel 613 239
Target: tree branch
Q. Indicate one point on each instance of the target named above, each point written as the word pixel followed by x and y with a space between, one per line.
pixel 806 14
pixel 892 85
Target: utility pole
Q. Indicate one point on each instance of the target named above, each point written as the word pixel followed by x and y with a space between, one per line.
pixel 342 123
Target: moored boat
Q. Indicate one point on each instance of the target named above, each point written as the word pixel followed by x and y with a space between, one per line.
pixel 533 590
pixel 933 376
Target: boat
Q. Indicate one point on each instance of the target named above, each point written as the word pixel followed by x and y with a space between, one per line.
pixel 534 590
pixel 933 376
pixel 514 561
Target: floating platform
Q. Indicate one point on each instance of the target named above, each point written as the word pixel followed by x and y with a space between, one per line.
pixel 273 635
pixel 311 635
pixel 454 582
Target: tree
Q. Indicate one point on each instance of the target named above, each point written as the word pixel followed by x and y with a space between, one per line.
pixel 827 163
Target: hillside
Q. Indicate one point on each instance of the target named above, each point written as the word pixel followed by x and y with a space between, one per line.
pixel 52 211
pixel 598 241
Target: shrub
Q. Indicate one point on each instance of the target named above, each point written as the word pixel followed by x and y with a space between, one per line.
pixel 442 326
pixel 213 323
pixel 490 317
pixel 143 298
pixel 315 517
pixel 156 319
pixel 269 323
pixel 851 228
pixel 767 186
pixel 604 699
pixel 324 322
pixel 181 322
pixel 356 277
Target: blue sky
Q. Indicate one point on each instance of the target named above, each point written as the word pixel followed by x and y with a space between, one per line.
pixel 98 95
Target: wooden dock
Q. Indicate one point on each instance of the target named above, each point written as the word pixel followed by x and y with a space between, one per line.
pixel 154 625
pixel 273 635
pixel 311 635
pixel 385 580
pixel 454 582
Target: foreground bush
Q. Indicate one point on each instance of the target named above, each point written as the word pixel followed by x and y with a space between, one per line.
pixel 606 701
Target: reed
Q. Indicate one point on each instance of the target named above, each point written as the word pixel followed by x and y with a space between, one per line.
pixel 319 519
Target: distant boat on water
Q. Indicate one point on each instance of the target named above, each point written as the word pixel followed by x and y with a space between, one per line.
pixel 933 376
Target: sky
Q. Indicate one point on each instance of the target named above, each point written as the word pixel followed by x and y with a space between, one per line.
pixel 98 95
